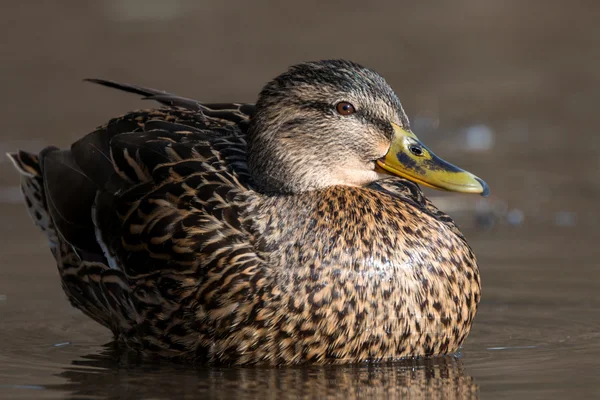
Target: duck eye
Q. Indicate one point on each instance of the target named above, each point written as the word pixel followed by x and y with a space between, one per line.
pixel 416 150
pixel 345 108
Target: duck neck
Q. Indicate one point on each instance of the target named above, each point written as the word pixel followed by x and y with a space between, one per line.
pixel 277 164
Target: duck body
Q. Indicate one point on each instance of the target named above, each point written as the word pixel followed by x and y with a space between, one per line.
pixel 161 234
pixel 351 298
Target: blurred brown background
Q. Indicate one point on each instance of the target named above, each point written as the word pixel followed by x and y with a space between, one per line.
pixel 507 89
pixel 528 69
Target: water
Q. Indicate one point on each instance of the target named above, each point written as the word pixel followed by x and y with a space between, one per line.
pixel 500 88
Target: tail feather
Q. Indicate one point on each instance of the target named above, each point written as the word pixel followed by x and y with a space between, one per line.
pixel 32 187
pixel 90 284
pixel 160 96
pixel 234 112
pixel 26 163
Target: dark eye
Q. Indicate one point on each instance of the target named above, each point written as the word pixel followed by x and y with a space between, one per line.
pixel 345 108
pixel 416 150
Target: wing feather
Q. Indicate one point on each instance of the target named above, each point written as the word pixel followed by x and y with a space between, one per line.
pixel 149 210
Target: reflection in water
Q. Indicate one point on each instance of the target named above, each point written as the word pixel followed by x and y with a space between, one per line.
pixel 112 374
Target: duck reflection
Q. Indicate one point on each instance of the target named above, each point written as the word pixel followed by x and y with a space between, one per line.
pixel 113 374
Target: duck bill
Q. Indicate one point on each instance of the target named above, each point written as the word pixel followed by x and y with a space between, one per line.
pixel 411 159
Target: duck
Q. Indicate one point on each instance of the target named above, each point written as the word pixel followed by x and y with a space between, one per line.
pixel 289 231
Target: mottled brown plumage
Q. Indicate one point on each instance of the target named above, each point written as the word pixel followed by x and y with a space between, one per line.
pixel 242 234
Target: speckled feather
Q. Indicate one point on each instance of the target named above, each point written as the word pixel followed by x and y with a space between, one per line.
pixel 182 257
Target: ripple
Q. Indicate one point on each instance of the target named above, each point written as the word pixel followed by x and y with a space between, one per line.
pixel 111 372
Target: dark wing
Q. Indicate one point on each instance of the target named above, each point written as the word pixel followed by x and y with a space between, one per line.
pixel 159 196
pixel 175 226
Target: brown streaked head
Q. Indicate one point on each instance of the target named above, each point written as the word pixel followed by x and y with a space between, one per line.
pixel 335 122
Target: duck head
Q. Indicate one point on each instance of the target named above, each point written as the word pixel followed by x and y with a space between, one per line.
pixel 335 122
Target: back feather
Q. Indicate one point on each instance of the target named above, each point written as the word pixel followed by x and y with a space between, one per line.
pixel 131 206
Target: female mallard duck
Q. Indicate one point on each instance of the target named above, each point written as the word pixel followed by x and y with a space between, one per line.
pixel 270 234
